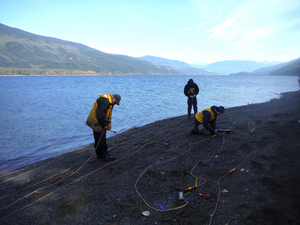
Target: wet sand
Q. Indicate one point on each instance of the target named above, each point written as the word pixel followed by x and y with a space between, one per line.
pixel 157 161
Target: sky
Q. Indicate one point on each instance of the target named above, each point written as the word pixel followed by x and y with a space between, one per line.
pixel 202 31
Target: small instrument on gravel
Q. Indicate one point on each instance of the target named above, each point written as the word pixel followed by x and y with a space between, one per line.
pixel 204 196
pixel 226 130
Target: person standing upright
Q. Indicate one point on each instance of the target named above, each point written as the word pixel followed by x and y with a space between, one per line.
pixel 191 90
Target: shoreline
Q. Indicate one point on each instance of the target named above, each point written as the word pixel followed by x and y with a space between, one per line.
pixel 158 160
pixel 71 149
pixel 127 130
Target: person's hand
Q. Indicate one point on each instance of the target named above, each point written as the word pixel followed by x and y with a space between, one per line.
pixel 216 131
pixel 109 127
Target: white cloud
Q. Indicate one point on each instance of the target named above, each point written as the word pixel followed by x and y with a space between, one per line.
pixel 224 30
pixel 211 21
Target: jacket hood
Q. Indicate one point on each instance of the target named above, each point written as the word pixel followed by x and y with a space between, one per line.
pixel 190 81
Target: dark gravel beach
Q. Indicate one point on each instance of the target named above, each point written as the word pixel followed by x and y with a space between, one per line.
pixel 157 161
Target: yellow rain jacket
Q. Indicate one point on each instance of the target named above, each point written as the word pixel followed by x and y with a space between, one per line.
pixel 199 116
pixel 100 116
pixel 207 117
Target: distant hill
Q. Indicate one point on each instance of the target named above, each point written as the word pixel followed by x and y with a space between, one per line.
pixel 268 69
pixel 235 66
pixel 291 68
pixel 198 64
pixel 21 49
pixel 177 65
pixel 197 71
pixel 165 62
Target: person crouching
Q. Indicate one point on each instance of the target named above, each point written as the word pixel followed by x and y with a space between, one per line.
pixel 205 121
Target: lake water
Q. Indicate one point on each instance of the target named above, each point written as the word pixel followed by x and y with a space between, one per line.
pixel 44 116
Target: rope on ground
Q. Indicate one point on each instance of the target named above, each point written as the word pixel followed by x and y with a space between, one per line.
pixel 217 203
pixel 141 146
pixel 49 178
pixel 73 174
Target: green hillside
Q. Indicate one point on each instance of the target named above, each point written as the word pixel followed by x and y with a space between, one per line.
pixel 26 53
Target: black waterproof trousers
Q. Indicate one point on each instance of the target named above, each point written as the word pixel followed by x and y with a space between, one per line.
pixel 192 102
pixel 199 129
pixel 101 148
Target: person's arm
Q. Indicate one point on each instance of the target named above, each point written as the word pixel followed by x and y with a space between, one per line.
pixel 186 91
pixel 103 106
pixel 213 124
pixel 196 89
pixel 206 117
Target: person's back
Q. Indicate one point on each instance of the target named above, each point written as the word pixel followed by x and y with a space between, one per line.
pixel 205 121
pixel 99 120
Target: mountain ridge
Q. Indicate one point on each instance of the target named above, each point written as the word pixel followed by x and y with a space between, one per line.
pixel 234 66
pixel 291 68
pixel 177 65
pixel 24 50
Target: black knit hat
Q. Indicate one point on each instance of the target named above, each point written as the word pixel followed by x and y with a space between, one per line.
pixel 190 81
pixel 220 109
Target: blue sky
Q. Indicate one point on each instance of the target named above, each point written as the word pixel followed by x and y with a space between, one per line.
pixel 191 31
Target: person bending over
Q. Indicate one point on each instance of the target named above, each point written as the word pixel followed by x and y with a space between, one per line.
pixel 205 121
pixel 99 120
